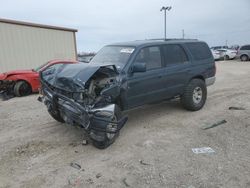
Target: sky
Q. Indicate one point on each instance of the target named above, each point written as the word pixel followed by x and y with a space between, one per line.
pixel 101 22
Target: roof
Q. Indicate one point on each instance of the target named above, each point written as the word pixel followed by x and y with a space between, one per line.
pixel 138 43
pixel 36 25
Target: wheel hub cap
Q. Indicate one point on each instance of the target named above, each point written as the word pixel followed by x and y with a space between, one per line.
pixel 197 95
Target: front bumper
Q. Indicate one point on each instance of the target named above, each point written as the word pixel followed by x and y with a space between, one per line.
pixel 93 120
pixel 6 89
pixel 210 81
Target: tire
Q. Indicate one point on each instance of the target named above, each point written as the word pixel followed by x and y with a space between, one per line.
pixel 109 137
pixel 56 115
pixel 195 95
pixel 244 58
pixel 22 88
pixel 226 57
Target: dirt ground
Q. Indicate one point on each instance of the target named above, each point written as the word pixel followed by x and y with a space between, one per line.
pixel 154 148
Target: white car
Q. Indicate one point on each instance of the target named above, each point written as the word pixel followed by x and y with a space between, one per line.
pixel 227 54
pixel 216 54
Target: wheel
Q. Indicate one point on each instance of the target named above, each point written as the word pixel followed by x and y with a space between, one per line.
pixel 244 58
pixel 56 115
pixel 195 95
pixel 226 57
pixel 109 137
pixel 22 88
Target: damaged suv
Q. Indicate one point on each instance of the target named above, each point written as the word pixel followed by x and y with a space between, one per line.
pixel 124 76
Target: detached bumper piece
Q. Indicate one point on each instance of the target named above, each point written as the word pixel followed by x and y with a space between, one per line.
pixel 6 89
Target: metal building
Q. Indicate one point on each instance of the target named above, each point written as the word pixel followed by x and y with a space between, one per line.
pixel 27 45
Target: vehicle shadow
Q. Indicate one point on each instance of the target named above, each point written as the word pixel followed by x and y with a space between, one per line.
pixel 150 111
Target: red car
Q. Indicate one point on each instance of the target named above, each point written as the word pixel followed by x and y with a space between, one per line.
pixel 24 82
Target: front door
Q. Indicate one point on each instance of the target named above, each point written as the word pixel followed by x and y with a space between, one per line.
pixel 146 87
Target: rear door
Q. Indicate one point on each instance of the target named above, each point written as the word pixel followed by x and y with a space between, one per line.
pixel 177 68
pixel 145 87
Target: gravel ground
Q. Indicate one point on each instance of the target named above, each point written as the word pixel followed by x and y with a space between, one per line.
pixel 154 148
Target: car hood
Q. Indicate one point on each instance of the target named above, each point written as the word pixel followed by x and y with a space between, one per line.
pixel 72 77
pixel 15 72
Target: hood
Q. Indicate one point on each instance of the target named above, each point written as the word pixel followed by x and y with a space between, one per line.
pixel 15 72
pixel 72 77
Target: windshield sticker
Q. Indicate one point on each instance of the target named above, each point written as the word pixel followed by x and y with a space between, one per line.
pixel 127 50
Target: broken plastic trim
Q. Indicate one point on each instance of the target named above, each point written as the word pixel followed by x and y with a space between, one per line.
pixel 102 114
pixel 6 89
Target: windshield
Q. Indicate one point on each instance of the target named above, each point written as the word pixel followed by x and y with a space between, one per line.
pixel 117 55
pixel 41 66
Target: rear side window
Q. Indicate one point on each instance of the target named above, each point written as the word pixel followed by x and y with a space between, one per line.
pixel 199 50
pixel 151 56
pixel 174 54
pixel 245 47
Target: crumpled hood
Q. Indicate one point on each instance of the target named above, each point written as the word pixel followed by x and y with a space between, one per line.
pixel 72 77
pixel 15 72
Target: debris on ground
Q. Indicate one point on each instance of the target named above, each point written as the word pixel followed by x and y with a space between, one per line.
pixel 73 144
pixel 125 182
pixel 75 165
pixel 98 175
pixel 236 108
pixel 143 163
pixel 74 180
pixel 203 150
pixel 90 181
pixel 85 142
pixel 215 124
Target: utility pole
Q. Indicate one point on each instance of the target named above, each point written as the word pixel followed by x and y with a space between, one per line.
pixel 183 33
pixel 165 9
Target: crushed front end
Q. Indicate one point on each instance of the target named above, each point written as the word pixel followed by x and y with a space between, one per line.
pixel 85 95
pixel 6 89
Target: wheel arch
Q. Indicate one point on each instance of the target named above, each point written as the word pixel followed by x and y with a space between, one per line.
pixel 18 78
pixel 23 80
pixel 198 77
pixel 244 55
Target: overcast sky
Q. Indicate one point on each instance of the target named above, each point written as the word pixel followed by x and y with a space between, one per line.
pixel 100 22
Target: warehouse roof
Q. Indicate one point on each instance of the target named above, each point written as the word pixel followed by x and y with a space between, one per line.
pixel 36 25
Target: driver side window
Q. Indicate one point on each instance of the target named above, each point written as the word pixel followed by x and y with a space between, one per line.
pixel 151 56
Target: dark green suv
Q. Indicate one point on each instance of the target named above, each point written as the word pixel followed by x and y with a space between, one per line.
pixel 124 76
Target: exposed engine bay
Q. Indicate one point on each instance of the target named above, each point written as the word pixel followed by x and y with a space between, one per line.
pixel 103 79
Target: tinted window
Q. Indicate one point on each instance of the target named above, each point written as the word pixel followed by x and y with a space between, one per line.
pixel 174 54
pixel 151 56
pixel 245 48
pixel 199 50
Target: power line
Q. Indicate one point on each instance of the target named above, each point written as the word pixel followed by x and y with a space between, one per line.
pixel 220 33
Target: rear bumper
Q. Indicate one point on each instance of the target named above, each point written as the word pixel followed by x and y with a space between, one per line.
pixel 210 81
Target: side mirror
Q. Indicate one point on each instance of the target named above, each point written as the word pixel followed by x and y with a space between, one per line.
pixel 139 67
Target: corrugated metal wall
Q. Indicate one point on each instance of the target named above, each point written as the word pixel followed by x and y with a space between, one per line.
pixel 25 47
